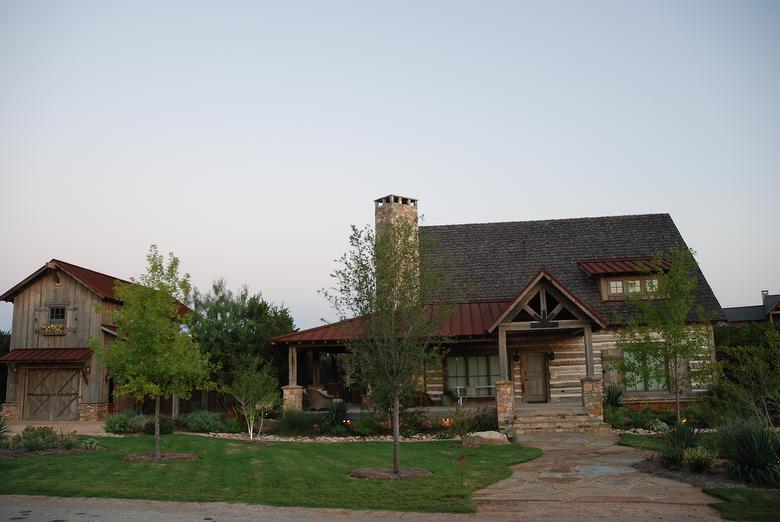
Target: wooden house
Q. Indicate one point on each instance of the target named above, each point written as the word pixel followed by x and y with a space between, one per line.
pixel 53 373
pixel 536 316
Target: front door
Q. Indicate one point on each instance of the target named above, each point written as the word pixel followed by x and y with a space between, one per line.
pixel 52 394
pixel 535 377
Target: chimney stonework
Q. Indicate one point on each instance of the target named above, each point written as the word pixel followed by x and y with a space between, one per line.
pixel 391 208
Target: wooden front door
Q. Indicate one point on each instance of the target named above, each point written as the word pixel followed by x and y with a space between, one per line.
pixel 52 394
pixel 535 377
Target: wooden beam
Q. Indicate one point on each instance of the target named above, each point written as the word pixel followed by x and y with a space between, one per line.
pixel 555 311
pixel 543 302
pixel 292 365
pixel 589 367
pixel 503 355
pixel 532 313
pixel 535 325
pixel 315 368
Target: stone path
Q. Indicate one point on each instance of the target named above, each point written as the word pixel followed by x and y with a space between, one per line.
pixel 585 476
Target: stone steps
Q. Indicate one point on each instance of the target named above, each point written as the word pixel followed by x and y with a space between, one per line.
pixel 558 420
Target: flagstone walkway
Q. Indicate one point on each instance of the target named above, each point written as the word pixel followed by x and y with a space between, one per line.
pixel 585 476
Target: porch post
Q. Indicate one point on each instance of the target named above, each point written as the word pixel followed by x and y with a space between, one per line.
pixel 588 351
pixel 315 368
pixel 292 365
pixel 503 356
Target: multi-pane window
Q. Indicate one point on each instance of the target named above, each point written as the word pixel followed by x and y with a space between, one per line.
pixel 633 285
pixel 643 382
pixel 57 315
pixel 472 375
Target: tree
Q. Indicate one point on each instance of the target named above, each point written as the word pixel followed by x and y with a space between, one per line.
pixel 256 391
pixel 387 281
pixel 233 328
pixel 659 342
pixel 154 355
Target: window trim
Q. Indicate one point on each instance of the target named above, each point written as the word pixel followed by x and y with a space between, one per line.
pixel 467 375
pixel 59 321
pixel 643 291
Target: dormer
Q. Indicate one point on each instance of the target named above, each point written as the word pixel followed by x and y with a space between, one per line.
pixel 621 279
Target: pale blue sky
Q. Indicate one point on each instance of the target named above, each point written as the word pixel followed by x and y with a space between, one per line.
pixel 246 136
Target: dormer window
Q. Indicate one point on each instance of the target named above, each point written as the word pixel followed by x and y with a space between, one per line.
pixel 616 288
pixel 57 315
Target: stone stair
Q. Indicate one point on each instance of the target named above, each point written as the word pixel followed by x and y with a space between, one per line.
pixel 552 418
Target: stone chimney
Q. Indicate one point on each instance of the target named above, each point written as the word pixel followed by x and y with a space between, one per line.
pixel 392 208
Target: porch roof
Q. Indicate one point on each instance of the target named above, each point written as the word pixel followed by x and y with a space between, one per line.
pixel 468 320
pixel 46 355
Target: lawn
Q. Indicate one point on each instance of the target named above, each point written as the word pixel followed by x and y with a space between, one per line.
pixel 746 504
pixel 282 474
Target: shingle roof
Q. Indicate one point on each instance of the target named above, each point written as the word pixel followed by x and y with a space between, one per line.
pixel 492 261
pixel 745 313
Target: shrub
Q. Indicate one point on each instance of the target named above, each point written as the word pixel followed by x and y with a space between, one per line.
pixel 294 423
pixel 337 430
pixel 36 439
pixel 203 421
pixel 411 421
pixel 124 422
pixel 3 426
pixel 752 452
pixel 613 396
pixel 641 418
pixel 657 425
pixel 615 417
pixel 486 422
pixel 364 425
pixel 698 459
pixel 445 434
pixel 678 438
pixel 166 426
pixel 233 425
pixel 335 416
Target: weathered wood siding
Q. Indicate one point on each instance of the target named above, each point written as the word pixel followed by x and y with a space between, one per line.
pixel 83 319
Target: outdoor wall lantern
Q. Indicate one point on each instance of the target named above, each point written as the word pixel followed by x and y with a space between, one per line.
pixel 551 356
pixel 516 357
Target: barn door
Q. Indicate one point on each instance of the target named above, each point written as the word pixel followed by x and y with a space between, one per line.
pixel 535 377
pixel 52 394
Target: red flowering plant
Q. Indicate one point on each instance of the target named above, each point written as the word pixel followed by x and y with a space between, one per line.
pixel 53 329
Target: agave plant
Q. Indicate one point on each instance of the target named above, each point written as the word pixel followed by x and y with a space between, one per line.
pixel 679 437
pixel 3 426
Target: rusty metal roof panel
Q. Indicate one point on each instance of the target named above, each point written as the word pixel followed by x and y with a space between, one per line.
pixel 621 266
pixel 46 355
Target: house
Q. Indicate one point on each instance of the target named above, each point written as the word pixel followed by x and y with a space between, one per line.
pixel 767 311
pixel 538 307
pixel 53 373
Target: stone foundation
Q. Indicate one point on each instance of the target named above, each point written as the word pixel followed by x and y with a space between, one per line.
pixel 11 411
pixel 505 404
pixel 93 412
pixel 592 389
pixel 292 397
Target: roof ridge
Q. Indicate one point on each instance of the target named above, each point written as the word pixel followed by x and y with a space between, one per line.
pixel 583 218
pixel 90 270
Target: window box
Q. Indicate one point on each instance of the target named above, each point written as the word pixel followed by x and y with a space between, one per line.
pixel 53 329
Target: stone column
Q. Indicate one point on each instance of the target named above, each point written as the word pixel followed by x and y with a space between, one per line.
pixel 592 388
pixel 505 404
pixel 292 397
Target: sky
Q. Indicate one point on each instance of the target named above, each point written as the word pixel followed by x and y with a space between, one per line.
pixel 246 137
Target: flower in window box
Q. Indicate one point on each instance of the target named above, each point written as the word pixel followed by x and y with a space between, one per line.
pixel 53 329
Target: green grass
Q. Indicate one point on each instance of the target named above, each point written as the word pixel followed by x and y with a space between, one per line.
pixel 282 474
pixel 746 504
pixel 648 442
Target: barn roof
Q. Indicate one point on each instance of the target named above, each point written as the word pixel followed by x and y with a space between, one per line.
pixel 46 355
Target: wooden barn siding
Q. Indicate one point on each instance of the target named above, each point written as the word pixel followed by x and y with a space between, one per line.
pixel 30 313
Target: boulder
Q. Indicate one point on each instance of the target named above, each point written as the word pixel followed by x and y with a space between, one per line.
pixel 488 438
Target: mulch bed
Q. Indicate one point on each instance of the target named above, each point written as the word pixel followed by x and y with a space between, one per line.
pixel 715 477
pixel 164 457
pixel 387 474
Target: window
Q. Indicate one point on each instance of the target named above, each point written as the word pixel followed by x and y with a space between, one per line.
pixel 57 315
pixel 473 375
pixel 616 287
pixel 634 286
pixel 644 382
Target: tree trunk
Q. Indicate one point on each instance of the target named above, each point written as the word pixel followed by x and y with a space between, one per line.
pixel 262 419
pixel 677 388
pixel 157 427
pixel 396 434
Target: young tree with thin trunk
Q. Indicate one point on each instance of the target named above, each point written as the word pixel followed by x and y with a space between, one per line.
pixel 153 355
pixel 667 339
pixel 256 391
pixel 387 280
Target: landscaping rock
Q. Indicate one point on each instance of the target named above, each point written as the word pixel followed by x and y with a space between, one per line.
pixel 487 438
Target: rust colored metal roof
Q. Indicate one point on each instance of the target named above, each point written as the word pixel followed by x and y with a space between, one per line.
pixel 47 355
pixel 622 266
pixel 467 319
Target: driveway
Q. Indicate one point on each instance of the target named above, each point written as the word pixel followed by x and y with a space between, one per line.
pixel 588 476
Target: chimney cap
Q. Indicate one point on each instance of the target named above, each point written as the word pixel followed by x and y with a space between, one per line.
pixel 393 198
